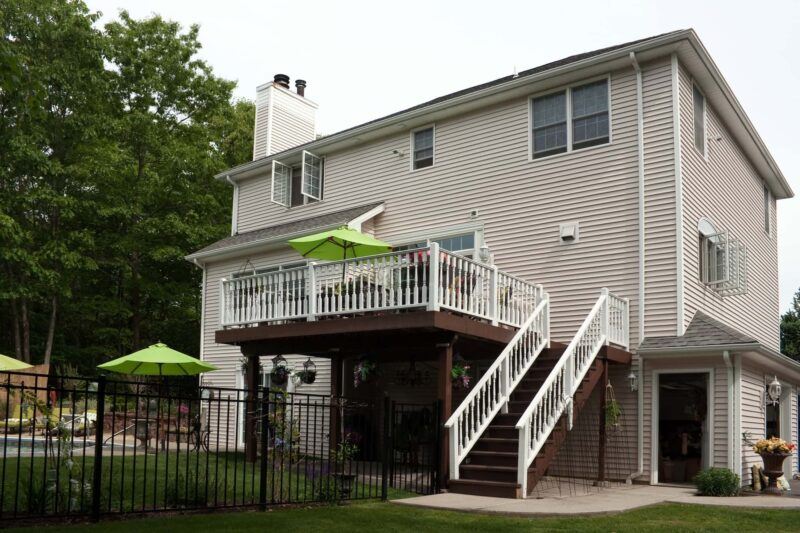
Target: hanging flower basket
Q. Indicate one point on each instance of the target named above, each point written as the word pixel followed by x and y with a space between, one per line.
pixel 280 371
pixel 459 375
pixel 363 371
pixel 613 410
pixel 308 375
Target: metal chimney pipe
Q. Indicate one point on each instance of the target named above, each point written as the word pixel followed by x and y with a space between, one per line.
pixel 300 85
pixel 282 80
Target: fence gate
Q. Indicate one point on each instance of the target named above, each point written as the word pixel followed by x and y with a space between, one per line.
pixel 415 447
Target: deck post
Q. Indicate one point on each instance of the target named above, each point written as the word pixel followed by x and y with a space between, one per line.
pixel 601 448
pixel 433 277
pixel 445 395
pixel 251 409
pixel 312 292
pixel 336 394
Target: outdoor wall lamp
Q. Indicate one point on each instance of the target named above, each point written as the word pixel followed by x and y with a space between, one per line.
pixel 484 253
pixel 633 379
pixel 774 392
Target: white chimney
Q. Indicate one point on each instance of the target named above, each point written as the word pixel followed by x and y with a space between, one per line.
pixel 284 119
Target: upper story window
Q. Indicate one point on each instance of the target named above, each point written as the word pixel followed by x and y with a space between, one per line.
pixel 723 263
pixel 699 107
pixel 298 185
pixel 767 203
pixel 422 141
pixel 462 244
pixel 575 118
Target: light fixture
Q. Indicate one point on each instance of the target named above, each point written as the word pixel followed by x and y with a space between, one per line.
pixel 774 392
pixel 634 381
pixel 484 253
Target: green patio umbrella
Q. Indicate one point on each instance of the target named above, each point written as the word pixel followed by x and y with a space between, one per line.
pixel 158 360
pixel 9 364
pixel 336 244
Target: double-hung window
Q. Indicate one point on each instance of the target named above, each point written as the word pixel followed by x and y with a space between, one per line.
pixel 422 141
pixel 723 264
pixel 571 119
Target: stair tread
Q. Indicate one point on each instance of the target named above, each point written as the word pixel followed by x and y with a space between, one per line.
pixel 489 467
pixel 486 483
pixel 490 452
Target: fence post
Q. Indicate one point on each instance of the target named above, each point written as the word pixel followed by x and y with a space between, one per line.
pixel 387 449
pixel 262 481
pixel 98 447
pixel 437 455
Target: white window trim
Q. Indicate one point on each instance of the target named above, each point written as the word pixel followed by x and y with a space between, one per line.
pixel 568 90
pixel 704 153
pixel 708 459
pixel 445 234
pixel 411 146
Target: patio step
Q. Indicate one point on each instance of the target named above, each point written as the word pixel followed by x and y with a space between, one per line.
pixel 485 488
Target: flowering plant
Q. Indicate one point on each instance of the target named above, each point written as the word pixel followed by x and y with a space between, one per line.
pixel 773 445
pixel 362 371
pixel 183 409
pixel 459 375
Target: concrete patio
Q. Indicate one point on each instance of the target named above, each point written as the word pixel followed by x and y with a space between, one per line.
pixel 609 500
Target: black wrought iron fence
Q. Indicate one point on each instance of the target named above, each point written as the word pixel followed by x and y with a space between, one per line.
pixel 75 447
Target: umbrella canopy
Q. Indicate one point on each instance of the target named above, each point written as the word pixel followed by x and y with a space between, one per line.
pixel 342 243
pixel 158 360
pixel 9 364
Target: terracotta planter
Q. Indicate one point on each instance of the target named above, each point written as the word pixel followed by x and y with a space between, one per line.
pixel 773 469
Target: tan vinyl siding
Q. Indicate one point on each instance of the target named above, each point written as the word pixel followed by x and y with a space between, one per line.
pixel 260 140
pixel 659 157
pixel 725 187
pixel 482 162
pixel 753 422
pixel 292 121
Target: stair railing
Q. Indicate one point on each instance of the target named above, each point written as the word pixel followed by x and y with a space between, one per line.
pixel 491 393
pixel 606 323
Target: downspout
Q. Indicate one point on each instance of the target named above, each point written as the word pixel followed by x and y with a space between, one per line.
pixel 235 210
pixel 202 312
pixel 726 356
pixel 640 140
pixel 640 363
pixel 676 148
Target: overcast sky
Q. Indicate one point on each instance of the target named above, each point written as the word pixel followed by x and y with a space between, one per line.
pixel 363 60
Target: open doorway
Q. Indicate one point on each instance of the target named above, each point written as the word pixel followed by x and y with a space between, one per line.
pixel 683 426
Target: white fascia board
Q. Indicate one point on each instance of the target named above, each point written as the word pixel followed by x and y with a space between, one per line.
pixel 357 222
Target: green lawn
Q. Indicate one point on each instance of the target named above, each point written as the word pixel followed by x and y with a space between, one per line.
pixel 387 517
pixel 163 481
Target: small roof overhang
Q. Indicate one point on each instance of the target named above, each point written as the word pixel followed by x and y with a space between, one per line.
pixel 276 236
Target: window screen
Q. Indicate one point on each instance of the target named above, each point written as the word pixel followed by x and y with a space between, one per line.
pixel 423 148
pixel 549 124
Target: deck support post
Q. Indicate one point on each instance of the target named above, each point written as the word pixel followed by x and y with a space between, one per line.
pixel 601 448
pixel 252 374
pixel 444 352
pixel 337 362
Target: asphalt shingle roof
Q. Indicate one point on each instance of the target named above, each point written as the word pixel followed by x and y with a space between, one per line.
pixel 702 331
pixel 337 218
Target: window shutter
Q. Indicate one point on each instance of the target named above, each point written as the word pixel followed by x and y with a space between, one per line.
pixel 312 176
pixel 281 183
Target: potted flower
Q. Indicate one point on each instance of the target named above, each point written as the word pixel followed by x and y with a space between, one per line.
pixel 459 375
pixel 341 457
pixel 773 451
pixel 363 371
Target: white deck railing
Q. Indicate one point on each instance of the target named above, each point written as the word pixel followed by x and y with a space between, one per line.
pixel 491 393
pixel 607 322
pixel 425 277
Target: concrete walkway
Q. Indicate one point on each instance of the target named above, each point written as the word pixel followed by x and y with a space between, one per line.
pixel 609 500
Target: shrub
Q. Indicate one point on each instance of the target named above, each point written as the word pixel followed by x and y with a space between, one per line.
pixel 717 482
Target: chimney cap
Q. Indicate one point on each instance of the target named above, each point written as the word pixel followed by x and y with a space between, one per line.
pixel 282 80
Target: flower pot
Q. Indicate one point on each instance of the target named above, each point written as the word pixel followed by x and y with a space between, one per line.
pixel 773 469
pixel 345 482
pixel 279 378
pixel 308 377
